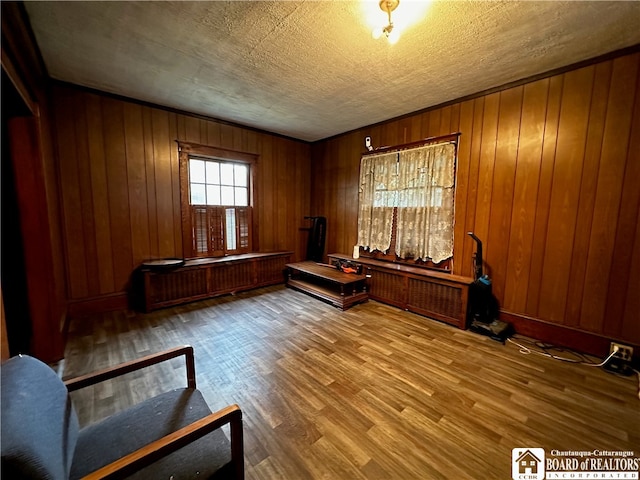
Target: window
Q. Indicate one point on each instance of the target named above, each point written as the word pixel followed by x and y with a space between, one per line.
pixel 406 205
pixel 218 182
pixel 216 196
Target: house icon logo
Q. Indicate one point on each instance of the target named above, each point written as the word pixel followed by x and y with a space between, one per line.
pixel 527 464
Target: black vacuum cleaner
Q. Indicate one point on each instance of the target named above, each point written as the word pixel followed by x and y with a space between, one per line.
pixel 483 306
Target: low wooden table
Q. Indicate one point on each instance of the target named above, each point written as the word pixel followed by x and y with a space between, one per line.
pixel 328 283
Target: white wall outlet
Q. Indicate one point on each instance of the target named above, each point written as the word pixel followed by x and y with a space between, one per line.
pixel 624 353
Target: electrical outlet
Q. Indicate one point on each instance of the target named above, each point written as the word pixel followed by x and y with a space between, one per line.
pixel 624 353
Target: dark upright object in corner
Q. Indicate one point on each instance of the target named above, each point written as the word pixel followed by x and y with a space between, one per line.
pixel 317 234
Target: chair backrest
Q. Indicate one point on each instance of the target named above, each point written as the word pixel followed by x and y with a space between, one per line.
pixel 39 424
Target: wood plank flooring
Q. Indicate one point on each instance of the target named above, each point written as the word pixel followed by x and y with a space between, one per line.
pixel 369 393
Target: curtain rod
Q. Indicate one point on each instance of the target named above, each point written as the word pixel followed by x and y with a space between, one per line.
pixel 451 137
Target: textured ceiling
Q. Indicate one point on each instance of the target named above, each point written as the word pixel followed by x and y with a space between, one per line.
pixel 311 69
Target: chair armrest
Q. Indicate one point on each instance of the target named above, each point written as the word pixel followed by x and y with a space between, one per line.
pixel 128 367
pixel 154 451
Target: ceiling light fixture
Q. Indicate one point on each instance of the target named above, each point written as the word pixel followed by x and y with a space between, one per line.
pixel 392 35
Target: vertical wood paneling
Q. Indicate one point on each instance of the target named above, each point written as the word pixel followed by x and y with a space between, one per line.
pixel 523 211
pixel 556 86
pixel 454 124
pixel 565 192
pixel 434 123
pixel 119 207
pixel 472 194
pixel 119 179
pixel 149 162
pixel 344 209
pixel 174 161
pixel 213 133
pixel 351 193
pixel 331 212
pixel 587 192
pixel 630 328
pixel 226 136
pixel 423 120
pixel 503 187
pixel 137 181
pixel 266 202
pixel 625 266
pixel 162 165
pixel 86 198
pixel 547 178
pixel 100 190
pixel 281 186
pixel 302 208
pixel 291 222
pixel 462 186
pixel 70 195
pixel 191 129
pixel 486 172
pixel 202 124
pixel 445 121
pixel 404 130
pixel 609 191
pixel 416 127
pixel 305 208
pixel 279 209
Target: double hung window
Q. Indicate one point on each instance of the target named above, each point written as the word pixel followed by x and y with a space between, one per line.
pixel 216 201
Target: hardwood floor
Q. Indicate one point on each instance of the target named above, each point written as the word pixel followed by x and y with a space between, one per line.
pixel 373 392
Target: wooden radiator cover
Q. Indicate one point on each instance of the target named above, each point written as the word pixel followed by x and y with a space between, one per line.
pixel 204 278
pixel 438 299
pixel 437 295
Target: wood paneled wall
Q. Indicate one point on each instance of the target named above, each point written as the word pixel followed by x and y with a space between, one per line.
pixel 120 191
pixel 31 154
pixel 547 177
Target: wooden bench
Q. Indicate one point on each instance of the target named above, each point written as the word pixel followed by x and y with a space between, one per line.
pixel 328 283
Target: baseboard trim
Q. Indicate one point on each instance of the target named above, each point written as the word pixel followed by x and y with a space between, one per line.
pixel 93 305
pixel 561 335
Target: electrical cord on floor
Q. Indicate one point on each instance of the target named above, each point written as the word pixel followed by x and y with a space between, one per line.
pixel 544 352
pixel 527 351
pixel 547 347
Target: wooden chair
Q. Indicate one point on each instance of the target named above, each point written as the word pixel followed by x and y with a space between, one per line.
pixel 171 435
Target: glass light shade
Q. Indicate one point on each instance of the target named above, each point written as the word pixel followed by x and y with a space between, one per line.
pixel 394 36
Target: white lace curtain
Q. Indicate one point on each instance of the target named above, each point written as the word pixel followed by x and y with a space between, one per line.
pixel 419 183
pixel 376 200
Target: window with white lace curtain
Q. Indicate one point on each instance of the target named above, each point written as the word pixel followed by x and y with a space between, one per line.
pixel 405 206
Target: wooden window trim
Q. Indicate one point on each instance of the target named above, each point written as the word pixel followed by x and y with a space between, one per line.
pixel 187 149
